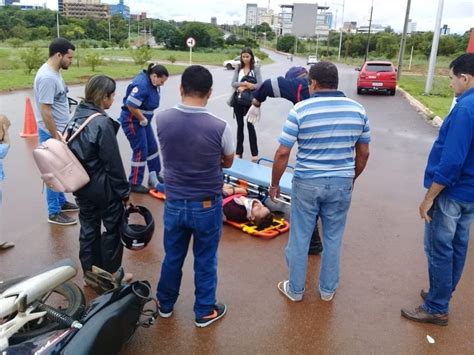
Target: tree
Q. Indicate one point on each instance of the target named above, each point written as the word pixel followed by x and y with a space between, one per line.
pixel 141 55
pixel 387 44
pixel 166 33
pixel 286 43
pixel 93 59
pixel 32 58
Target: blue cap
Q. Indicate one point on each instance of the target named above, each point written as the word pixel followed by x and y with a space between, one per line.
pixel 295 72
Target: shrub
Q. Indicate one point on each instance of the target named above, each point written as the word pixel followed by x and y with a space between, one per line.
pixel 172 58
pixel 141 55
pixel 32 58
pixel 93 59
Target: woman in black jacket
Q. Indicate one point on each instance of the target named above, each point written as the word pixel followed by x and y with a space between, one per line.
pixel 103 199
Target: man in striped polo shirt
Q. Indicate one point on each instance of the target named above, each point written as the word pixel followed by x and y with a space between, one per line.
pixel 333 138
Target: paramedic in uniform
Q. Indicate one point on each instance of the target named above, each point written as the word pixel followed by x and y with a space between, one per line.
pixel 140 101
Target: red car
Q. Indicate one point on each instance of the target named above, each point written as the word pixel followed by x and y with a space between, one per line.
pixel 377 76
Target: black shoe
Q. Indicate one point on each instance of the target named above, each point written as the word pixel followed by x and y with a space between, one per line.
pixel 140 189
pixel 216 314
pixel 420 315
pixel 61 219
pixel 69 207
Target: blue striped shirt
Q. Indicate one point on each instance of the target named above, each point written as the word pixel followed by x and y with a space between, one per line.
pixel 326 126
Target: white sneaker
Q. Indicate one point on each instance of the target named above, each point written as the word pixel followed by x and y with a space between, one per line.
pixel 284 287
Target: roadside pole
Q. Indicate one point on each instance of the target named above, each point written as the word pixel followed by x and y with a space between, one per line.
pixel 434 49
pixel 190 42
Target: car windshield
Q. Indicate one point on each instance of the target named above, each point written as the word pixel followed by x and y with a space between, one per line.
pixel 377 67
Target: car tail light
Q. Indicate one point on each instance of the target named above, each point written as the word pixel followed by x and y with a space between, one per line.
pixel 394 76
pixel 362 75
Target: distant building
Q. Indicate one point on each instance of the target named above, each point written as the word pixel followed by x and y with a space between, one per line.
pixel 25 5
pixel 411 28
pixel 120 9
pixel 445 30
pixel 305 20
pixel 84 8
pixel 251 15
pixel 350 26
pixel 9 2
pixel 373 29
pixel 138 17
pixel 214 21
pixel 329 19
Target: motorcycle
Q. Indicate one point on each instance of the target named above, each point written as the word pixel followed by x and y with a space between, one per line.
pixel 46 313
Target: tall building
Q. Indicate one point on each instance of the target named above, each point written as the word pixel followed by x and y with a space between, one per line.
pixel 120 9
pixel 411 26
pixel 305 20
pixel 375 28
pixel 349 26
pixel 84 8
pixel 214 20
pixel 251 15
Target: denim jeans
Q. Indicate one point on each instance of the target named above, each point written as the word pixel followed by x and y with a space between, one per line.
pixel 446 244
pixel 54 199
pixel 202 220
pixel 328 198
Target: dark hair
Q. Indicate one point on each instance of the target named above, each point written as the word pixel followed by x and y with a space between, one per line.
pixel 196 81
pixel 98 87
pixel 464 64
pixel 157 69
pixel 264 222
pixel 252 57
pixel 325 73
pixel 60 45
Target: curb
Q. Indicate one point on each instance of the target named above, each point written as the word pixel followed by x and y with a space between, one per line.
pixel 425 112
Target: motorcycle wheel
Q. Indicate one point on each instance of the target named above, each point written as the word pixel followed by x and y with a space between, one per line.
pixel 67 298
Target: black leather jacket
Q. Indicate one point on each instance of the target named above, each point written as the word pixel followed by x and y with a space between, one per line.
pixel 97 149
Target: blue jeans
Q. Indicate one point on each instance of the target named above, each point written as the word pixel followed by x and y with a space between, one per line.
pixel 202 220
pixel 54 199
pixel 328 198
pixel 446 244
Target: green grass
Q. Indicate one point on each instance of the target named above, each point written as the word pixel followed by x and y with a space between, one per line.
pixel 441 96
pixel 13 79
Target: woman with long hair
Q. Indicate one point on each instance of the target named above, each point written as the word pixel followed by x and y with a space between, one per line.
pixel 102 200
pixel 141 99
pixel 246 78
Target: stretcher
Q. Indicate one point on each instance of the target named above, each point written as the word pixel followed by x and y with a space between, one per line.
pixel 257 178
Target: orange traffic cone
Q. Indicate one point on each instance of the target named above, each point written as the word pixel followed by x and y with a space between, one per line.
pixel 30 129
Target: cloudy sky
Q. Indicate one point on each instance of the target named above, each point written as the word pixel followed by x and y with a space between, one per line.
pixel 457 14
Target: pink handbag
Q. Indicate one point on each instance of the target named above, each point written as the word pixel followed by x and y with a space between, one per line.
pixel 60 169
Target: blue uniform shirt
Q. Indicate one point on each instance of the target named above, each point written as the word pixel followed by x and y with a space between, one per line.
pixel 294 90
pixel 143 95
pixel 451 160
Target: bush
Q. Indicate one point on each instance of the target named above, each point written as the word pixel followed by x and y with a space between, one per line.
pixel 32 58
pixel 172 58
pixel 14 42
pixel 141 55
pixel 93 59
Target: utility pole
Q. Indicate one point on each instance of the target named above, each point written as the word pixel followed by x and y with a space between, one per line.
pixel 403 41
pixel 129 24
pixel 368 34
pixel 340 33
pixel 434 49
pixel 57 22
pixel 110 35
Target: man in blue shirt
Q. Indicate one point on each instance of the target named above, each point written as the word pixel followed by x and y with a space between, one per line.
pixel 448 206
pixel 333 138
pixel 195 145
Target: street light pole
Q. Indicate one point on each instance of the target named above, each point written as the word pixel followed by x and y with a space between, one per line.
pixel 368 34
pixel 340 33
pixel 434 49
pixel 403 41
pixel 57 22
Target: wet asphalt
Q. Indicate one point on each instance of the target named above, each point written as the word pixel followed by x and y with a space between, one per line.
pixel 383 266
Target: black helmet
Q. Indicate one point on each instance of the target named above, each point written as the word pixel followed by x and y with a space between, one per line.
pixel 136 236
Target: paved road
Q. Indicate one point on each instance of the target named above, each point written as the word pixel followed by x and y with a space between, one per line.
pixel 383 264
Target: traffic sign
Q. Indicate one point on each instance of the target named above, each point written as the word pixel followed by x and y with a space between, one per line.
pixel 190 42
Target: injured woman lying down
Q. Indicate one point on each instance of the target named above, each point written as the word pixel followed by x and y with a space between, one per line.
pixel 243 209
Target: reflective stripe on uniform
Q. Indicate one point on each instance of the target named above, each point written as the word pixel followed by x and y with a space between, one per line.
pixel 147 112
pixel 153 156
pixel 138 163
pixel 134 100
pixel 275 87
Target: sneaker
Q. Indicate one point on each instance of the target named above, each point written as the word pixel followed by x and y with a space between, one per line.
pixel 69 207
pixel 326 296
pixel 139 189
pixel 284 287
pixel 165 313
pixel 419 314
pixel 61 219
pixel 219 311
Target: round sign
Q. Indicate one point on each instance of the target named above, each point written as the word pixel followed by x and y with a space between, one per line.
pixel 190 42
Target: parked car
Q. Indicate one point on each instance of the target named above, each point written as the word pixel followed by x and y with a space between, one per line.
pixel 232 63
pixel 377 76
pixel 312 59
